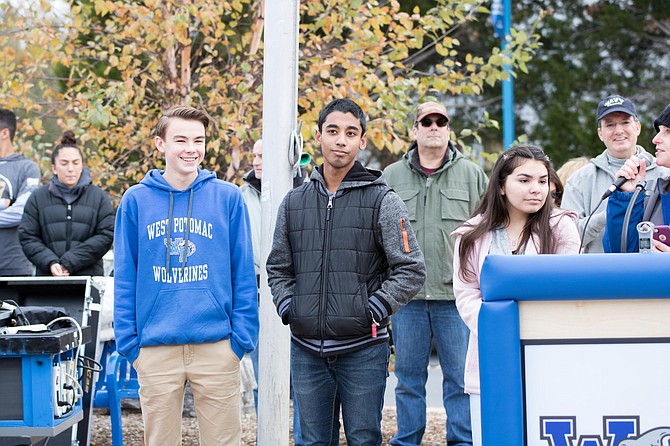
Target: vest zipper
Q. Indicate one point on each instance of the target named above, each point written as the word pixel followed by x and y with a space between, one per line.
pixel 324 274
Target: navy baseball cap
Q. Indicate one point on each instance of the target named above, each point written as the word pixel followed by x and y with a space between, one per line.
pixel 615 103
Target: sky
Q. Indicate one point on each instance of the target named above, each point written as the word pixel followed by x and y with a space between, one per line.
pixel 60 5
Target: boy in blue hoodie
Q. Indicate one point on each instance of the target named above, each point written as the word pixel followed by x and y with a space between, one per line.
pixel 185 289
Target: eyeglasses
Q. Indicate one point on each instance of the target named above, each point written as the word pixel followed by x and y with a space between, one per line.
pixel 427 122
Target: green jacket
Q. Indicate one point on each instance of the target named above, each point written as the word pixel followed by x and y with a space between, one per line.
pixel 437 205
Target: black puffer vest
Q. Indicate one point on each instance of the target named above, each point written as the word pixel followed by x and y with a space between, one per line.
pixel 337 257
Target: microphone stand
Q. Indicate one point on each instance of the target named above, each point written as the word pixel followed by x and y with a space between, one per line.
pixel 626 218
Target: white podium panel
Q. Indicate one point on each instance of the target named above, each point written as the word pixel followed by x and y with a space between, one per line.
pixel 574 351
pixel 590 391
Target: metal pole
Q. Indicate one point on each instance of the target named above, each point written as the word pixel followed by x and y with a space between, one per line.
pixel 280 104
pixel 508 85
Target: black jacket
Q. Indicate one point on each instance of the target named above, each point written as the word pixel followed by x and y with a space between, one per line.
pixel 342 261
pixel 75 235
pixel 338 262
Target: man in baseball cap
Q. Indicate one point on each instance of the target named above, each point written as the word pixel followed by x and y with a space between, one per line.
pixel 618 128
pixel 440 187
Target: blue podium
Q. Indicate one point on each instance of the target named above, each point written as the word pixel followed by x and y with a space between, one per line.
pixel 574 350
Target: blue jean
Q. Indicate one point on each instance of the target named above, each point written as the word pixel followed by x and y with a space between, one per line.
pixel 297 434
pixel 415 327
pixel 354 382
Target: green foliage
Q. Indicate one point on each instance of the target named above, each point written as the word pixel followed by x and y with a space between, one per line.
pixel 119 63
pixel 590 50
pixel 25 76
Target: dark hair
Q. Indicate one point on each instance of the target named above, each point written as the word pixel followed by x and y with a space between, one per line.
pixel 182 112
pixel 493 208
pixel 67 140
pixel 8 121
pixel 557 195
pixel 345 106
pixel 663 119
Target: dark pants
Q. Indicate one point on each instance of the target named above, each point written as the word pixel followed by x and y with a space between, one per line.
pixel 354 382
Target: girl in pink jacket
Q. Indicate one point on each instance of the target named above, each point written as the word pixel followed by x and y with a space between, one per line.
pixel 514 217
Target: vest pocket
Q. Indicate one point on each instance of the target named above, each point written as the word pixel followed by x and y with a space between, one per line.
pixel 303 316
pixel 349 314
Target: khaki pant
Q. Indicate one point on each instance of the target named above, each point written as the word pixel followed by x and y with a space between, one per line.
pixel 213 370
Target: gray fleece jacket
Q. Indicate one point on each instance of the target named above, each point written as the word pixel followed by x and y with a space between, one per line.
pixel 19 177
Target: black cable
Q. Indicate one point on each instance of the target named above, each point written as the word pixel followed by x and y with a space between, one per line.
pixel 95 368
pixel 19 311
pixel 581 242
pixel 69 408
pixel 626 218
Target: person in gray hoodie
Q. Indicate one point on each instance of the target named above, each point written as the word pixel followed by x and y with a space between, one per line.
pixel 618 128
pixel 344 258
pixel 19 177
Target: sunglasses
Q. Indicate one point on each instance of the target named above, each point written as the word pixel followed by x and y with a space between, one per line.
pixel 427 122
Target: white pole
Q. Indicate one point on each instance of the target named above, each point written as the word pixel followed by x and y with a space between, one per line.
pixel 280 104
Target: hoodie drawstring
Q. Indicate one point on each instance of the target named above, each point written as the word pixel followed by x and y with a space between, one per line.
pixel 184 249
pixel 168 242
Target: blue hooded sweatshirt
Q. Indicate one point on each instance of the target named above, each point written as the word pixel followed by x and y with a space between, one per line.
pixel 183 266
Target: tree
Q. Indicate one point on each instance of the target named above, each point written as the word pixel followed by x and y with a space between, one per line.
pixel 120 62
pixel 26 82
pixel 590 50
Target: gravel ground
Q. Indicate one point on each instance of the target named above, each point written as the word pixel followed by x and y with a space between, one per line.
pixel 101 434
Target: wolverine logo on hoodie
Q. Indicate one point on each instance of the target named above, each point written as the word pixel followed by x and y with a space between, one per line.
pixel 177 247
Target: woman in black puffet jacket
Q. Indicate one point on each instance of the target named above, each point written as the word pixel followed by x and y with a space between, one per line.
pixel 68 224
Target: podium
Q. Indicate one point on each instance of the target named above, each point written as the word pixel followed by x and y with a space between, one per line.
pixel 574 350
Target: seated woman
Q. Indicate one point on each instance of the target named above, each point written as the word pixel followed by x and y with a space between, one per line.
pixel 67 225
pixel 654 207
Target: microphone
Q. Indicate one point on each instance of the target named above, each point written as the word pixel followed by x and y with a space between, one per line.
pixel 644 231
pixel 643 156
